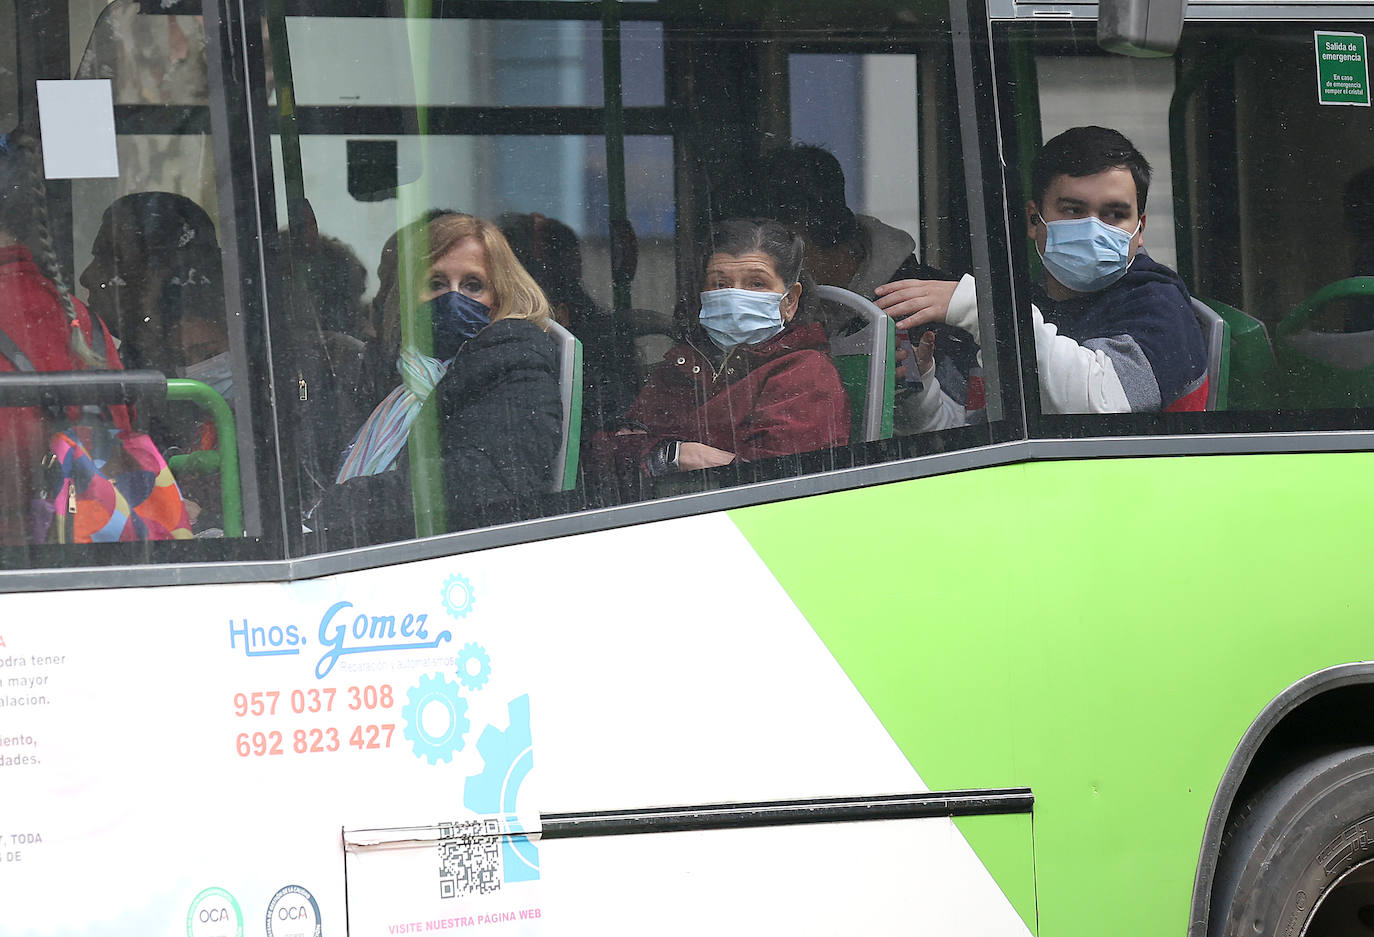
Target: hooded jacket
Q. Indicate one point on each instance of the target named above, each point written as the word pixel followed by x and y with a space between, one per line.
pixel 779 397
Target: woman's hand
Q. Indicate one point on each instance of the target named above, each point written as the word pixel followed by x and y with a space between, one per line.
pixel 914 303
pixel 696 455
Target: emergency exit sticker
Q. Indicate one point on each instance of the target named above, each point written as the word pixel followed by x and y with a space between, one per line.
pixel 1342 70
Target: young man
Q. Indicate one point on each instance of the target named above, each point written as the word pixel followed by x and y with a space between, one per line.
pixel 1114 331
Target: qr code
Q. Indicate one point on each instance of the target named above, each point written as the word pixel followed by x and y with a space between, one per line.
pixel 469 858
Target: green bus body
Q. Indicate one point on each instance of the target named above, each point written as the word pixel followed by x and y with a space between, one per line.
pixel 1101 631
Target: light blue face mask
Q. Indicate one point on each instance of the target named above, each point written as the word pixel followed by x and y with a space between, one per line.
pixel 740 317
pixel 214 371
pixel 1087 254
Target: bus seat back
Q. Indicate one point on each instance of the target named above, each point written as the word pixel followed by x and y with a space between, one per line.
pixel 570 395
pixel 865 362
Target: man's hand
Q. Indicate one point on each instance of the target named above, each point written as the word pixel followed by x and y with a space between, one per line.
pixel 925 356
pixel 914 303
pixel 696 455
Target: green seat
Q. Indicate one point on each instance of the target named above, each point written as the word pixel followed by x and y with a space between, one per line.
pixel 865 362
pixel 1322 370
pixel 570 393
pixel 1250 378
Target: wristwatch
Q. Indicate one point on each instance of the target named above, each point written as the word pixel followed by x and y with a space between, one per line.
pixel 662 458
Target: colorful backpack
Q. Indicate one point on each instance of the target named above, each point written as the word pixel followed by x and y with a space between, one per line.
pixel 101 483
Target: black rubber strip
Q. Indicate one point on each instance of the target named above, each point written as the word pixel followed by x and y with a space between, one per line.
pixel 787 813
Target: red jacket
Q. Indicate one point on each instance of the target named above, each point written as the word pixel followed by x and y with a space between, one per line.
pixel 778 397
pixel 31 314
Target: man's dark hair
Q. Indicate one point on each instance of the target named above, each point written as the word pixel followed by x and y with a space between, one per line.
pixel 803 185
pixel 1086 151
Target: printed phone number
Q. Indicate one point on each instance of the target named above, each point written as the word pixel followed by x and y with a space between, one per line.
pixel 312 741
pixel 314 700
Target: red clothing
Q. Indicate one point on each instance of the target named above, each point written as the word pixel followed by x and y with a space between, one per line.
pixel 31 315
pixel 778 397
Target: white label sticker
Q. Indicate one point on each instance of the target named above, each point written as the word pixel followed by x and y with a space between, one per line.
pixel 77 121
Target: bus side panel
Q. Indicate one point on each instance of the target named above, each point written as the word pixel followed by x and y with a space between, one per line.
pixel 208 744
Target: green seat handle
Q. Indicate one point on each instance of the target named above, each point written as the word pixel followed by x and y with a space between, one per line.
pixel 227 450
pixel 1302 313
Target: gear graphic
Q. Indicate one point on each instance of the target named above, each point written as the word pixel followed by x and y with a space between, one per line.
pixel 473 652
pixel 458 596
pixel 435 690
pixel 507 757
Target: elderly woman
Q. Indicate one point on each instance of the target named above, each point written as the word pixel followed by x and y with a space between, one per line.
pixel 493 374
pixel 747 382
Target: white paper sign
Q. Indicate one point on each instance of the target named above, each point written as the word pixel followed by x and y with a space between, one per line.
pixel 77 121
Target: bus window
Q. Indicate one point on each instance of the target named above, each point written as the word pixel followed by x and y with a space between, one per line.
pixel 1252 164
pixel 134 253
pixel 607 184
pixel 880 156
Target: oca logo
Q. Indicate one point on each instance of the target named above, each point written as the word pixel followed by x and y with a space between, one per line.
pixel 293 912
pixel 214 913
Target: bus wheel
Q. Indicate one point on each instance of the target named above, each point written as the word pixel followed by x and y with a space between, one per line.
pixel 1298 857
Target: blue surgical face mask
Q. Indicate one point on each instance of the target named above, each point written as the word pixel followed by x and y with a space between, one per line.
pixel 455 317
pixel 214 371
pixel 740 317
pixel 1087 254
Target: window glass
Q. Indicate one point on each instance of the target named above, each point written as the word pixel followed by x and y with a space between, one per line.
pixel 1071 96
pixel 880 155
pixel 1250 304
pixel 471 63
pixel 120 265
pixel 701 368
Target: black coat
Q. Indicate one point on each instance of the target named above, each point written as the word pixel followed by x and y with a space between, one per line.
pixel 500 426
pixel 500 416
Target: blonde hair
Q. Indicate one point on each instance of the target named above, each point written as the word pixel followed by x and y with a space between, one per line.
pixel 517 295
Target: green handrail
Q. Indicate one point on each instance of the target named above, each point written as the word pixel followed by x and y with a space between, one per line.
pixel 613 94
pixel 423 445
pixel 225 457
pixel 1302 313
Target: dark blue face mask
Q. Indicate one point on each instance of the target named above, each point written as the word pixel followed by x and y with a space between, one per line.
pixel 455 318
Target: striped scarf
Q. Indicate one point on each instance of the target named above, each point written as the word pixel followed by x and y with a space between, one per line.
pixel 383 434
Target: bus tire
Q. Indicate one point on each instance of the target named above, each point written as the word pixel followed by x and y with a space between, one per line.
pixel 1287 846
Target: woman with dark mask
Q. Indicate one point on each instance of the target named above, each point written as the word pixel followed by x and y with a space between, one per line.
pixel 493 373
pixel 749 380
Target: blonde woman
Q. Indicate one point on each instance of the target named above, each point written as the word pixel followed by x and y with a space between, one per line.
pixel 494 374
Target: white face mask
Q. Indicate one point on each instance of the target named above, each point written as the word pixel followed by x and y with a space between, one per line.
pixel 214 371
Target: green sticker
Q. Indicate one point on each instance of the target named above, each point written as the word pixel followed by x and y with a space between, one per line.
pixel 214 913
pixel 1342 70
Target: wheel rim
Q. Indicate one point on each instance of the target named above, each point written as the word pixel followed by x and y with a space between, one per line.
pixel 1346 909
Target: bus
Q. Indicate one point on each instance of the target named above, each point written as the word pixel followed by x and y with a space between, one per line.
pixel 1040 673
